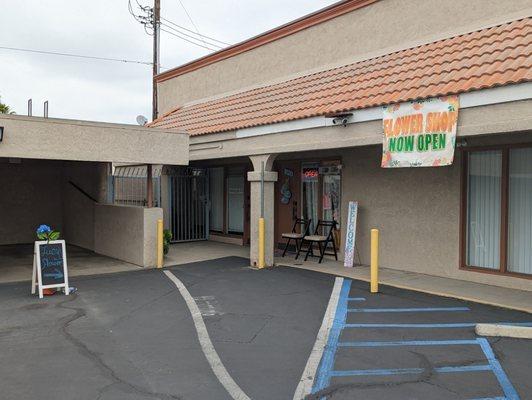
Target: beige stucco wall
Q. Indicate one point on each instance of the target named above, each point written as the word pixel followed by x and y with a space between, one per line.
pixel 380 28
pixel 60 139
pixel 127 233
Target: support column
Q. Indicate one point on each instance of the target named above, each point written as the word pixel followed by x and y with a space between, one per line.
pixel 254 177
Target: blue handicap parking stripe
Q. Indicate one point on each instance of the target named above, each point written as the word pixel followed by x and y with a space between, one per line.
pixel 327 361
pixel 490 398
pixel 401 371
pixel 398 310
pixel 326 372
pixel 410 343
pixel 416 326
pixel 507 387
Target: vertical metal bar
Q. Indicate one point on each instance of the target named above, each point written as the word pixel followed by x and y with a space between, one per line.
pixel 180 206
pixel 174 210
pixel 194 200
pixel 186 216
pixel 174 207
pixel 207 202
pixel 196 207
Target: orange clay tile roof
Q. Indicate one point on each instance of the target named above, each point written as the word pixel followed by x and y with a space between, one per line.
pixel 495 56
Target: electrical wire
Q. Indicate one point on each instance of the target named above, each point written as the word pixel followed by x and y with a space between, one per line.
pixel 190 36
pixel 187 40
pixel 54 53
pixel 191 21
pixel 199 34
pixel 172 28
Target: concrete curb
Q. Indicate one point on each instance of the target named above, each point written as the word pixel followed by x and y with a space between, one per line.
pixel 417 289
pixel 511 331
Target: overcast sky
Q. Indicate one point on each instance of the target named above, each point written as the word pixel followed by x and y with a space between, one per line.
pixel 112 91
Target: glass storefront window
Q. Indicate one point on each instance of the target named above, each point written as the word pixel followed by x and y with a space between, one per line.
pixel 520 211
pixel 484 209
pixel 498 225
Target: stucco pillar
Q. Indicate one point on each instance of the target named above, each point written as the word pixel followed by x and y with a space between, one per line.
pixel 102 184
pixel 254 177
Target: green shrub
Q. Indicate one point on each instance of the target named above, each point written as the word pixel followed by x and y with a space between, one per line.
pixel 167 237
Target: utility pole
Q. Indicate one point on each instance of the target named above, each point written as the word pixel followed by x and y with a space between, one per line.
pixel 156 43
pixel 156 13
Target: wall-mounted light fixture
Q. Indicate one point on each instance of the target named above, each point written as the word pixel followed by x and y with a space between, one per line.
pixel 1 133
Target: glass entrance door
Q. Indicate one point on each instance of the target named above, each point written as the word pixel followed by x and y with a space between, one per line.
pixel 235 204
pixel 310 195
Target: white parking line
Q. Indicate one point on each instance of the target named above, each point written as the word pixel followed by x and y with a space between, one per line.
pixel 206 344
pixel 307 379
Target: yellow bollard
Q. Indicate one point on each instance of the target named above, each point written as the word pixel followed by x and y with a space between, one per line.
pixel 262 262
pixel 160 243
pixel 374 260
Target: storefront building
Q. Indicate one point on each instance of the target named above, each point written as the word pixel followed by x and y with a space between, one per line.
pixel 306 100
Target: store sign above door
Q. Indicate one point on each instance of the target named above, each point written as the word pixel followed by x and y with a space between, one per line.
pixel 420 133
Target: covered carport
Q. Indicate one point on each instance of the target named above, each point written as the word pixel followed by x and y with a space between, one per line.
pixel 56 172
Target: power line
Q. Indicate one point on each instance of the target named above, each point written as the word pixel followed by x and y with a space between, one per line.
pixel 191 21
pixel 199 34
pixel 54 53
pixel 190 36
pixel 187 40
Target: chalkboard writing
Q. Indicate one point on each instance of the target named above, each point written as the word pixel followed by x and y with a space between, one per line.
pixel 51 263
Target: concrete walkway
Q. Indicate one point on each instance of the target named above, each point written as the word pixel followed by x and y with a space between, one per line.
pixel 191 252
pixel 485 294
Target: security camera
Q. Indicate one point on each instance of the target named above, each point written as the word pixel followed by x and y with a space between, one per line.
pixel 340 121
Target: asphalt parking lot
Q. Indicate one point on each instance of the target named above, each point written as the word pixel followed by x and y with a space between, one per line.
pixel 131 336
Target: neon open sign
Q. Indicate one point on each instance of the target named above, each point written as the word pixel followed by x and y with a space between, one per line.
pixel 310 174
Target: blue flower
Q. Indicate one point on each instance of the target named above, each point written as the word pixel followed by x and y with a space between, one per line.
pixel 43 229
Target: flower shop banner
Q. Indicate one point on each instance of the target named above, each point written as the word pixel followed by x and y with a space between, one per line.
pixel 420 133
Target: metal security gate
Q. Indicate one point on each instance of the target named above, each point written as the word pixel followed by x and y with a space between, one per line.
pixel 127 186
pixel 189 198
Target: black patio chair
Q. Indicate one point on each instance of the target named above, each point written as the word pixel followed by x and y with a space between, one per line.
pixel 327 227
pixel 295 235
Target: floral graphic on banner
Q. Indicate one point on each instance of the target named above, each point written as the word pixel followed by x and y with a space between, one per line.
pixel 420 133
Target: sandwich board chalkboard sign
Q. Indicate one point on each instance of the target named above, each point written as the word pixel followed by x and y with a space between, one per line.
pixel 49 266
